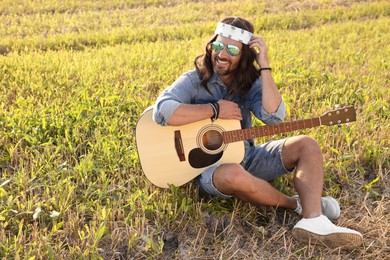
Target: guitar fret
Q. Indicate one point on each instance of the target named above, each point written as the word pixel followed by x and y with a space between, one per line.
pixel 246 134
pixel 231 136
pixel 269 130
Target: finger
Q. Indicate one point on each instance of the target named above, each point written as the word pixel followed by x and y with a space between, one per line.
pixel 258 45
pixel 257 39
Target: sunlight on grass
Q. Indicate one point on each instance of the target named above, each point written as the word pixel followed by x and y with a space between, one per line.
pixel 76 75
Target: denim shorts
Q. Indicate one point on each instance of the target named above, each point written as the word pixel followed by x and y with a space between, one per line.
pixel 263 161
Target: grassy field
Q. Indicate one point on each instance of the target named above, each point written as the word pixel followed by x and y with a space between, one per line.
pixel 75 76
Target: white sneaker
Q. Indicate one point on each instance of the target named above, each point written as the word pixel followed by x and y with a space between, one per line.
pixel 321 230
pixel 330 207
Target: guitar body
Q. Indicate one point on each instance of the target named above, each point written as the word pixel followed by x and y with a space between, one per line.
pixel 176 155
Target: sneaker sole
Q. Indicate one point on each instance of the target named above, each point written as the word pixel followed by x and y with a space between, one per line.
pixel 345 240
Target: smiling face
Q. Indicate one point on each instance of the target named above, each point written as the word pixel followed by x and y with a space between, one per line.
pixel 224 64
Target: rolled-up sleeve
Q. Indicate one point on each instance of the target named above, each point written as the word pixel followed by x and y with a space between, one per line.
pixel 181 91
pixel 256 103
pixel 275 117
pixel 164 110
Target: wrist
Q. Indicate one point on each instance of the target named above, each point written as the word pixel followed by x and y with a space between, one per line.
pixel 215 107
pixel 262 69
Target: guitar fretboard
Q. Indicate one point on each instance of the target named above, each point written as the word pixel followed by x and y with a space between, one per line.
pixel 266 130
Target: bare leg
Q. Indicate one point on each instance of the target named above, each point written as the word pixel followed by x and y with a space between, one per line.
pixel 233 179
pixel 305 154
pixel 301 152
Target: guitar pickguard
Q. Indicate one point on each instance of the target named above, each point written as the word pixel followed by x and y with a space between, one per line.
pixel 199 159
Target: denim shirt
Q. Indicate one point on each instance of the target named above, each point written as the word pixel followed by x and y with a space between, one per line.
pixel 188 89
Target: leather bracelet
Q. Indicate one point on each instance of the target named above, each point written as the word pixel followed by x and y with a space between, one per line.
pixel 215 107
pixel 264 69
pixel 213 118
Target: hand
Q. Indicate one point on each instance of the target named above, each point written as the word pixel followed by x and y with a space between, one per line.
pixel 229 110
pixel 258 43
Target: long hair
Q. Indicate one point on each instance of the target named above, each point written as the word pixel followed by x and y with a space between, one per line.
pixel 246 72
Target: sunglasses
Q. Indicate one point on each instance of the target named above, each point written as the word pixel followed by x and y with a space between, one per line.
pixel 232 50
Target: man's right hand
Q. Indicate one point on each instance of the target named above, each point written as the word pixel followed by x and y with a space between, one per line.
pixel 229 110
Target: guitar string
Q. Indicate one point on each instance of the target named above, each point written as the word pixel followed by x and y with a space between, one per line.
pixel 214 139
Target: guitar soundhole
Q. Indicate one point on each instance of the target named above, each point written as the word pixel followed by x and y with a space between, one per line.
pixel 212 140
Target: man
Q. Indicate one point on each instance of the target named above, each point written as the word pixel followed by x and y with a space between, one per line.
pixel 226 84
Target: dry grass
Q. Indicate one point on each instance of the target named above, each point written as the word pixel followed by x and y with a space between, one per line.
pixel 248 232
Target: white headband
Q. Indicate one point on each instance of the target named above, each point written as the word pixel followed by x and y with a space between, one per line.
pixel 234 33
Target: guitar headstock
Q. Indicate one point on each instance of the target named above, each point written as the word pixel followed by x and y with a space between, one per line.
pixel 339 116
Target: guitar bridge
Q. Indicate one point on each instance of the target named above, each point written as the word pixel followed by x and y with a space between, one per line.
pixel 179 146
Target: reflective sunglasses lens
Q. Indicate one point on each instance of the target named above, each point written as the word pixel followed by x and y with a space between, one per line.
pixel 233 50
pixel 217 46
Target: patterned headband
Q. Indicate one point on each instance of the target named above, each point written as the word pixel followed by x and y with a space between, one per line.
pixel 234 33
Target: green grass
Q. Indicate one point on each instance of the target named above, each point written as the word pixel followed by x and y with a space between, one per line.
pixel 76 75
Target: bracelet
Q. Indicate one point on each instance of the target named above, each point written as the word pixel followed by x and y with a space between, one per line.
pixel 264 69
pixel 215 107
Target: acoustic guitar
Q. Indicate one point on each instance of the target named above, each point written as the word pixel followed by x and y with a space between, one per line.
pixel 176 155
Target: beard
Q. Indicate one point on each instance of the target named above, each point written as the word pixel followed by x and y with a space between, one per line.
pixel 222 67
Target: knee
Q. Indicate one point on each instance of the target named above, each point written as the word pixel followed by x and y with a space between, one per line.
pixel 301 147
pixel 308 146
pixel 235 178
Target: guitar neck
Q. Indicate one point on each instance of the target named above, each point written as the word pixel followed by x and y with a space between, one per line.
pixel 266 130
